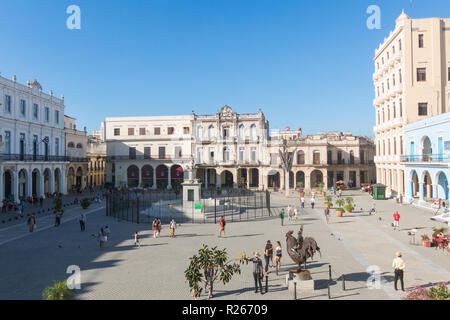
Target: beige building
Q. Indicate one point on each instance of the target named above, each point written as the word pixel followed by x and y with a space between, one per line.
pixel 228 149
pixel 96 155
pixel 76 142
pixel 411 80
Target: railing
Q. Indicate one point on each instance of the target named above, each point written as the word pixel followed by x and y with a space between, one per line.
pixel 40 158
pixel 349 163
pixel 144 157
pixel 426 158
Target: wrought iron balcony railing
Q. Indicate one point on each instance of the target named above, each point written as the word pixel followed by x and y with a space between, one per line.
pixel 426 158
pixel 40 158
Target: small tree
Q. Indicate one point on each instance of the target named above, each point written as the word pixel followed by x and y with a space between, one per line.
pixel 214 263
pixel 349 206
pixel 59 291
pixel 287 159
pixel 321 185
pixel 340 203
pixel 329 201
pixel 58 206
pixel 85 203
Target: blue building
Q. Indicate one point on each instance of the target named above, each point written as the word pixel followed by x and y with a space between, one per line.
pixel 427 159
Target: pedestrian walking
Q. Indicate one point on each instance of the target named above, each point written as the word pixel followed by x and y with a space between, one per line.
pixel 278 254
pixel 101 237
pixel 268 256
pixel 396 223
pixel 313 201
pixel 82 220
pixel 155 227
pixel 137 242
pixel 327 214
pixel 340 193
pixel 257 271
pixel 41 201
pixel 289 212
pixel 19 210
pixel 32 222
pixel 172 226
pixel 295 213
pixel 222 224
pixel 303 202
pixel 158 227
pixel 108 232
pixel 399 266
pixel 57 219
pixel 334 190
pixel 282 216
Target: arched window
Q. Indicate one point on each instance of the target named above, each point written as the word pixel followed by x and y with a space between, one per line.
pixel 241 132
pixel 253 132
pixel 71 145
pixel 79 146
pixel 199 132
pixel 210 132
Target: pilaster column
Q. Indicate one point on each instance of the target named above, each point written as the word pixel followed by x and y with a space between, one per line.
pixel 62 179
pixel 358 178
pixel 140 177
pixel 29 192
pixel 421 191
pixel 307 181
pixel 41 184
pixel 206 178
pixel 435 191
pixel 51 182
pixel 218 180
pixel 154 179
pixel 248 177
pixel 169 179
pixel 15 190
pixel 325 180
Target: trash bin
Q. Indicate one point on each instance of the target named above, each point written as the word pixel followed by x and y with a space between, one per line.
pixel 378 191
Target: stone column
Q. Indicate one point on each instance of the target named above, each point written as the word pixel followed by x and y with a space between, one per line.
pixel 307 181
pixel 15 190
pixel 206 178
pixel 435 191
pixel 325 180
pixel 51 182
pixel 29 183
pixel 218 180
pixel 346 176
pixel 235 178
pixel 41 184
pixel 169 179
pixel 62 181
pixel 140 178
pixel 249 171
pixel 358 178
pixel 421 191
pixel 154 179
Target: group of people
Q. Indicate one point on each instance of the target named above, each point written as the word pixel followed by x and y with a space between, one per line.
pixel 103 236
pixel 270 261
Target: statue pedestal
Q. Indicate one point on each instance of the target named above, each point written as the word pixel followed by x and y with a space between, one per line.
pixel 302 279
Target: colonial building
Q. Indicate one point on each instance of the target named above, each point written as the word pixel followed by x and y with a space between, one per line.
pixel 76 142
pixel 427 159
pixel 228 149
pixel 96 155
pixel 32 161
pixel 411 82
pixel 325 157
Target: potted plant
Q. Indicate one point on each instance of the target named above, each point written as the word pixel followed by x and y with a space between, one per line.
pixel 321 185
pixel 58 206
pixel 59 291
pixel 85 203
pixel 328 202
pixel 436 231
pixel 339 210
pixel 426 242
pixel 349 206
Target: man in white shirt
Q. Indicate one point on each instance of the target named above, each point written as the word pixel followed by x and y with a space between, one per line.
pixel 399 266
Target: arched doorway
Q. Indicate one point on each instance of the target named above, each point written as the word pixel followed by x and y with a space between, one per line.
pixel 273 179
pixel 162 175
pixel 147 176
pixel 414 184
pixel 227 179
pixel 426 148
pixel 291 180
pixel 442 186
pixel 22 184
pixel 300 178
pixel 35 188
pixel 254 178
pixel 176 176
pixel 79 177
pixel 427 187
pixel 8 180
pixel 316 178
pixel 47 177
pixel 132 176
pixel 200 175
pixel 70 179
pixel 242 178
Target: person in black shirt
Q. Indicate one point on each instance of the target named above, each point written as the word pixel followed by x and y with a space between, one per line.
pixel 268 256
pixel 257 271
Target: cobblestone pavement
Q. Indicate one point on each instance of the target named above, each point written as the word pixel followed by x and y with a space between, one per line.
pixel 156 270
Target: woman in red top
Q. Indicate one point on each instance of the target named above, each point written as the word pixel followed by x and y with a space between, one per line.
pixel 222 226
pixel 396 220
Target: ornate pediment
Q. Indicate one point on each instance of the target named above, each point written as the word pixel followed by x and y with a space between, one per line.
pixel 35 84
pixel 226 112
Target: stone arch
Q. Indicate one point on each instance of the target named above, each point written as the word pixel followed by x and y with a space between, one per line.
pixel 273 179
pixel 316 177
pixel 71 144
pixel 147 173
pixel 58 180
pixel 47 176
pixel 227 179
pixel 300 177
pixel 132 176
pixel 162 176
pixel 23 183
pixel 441 181
pixel 70 178
pixel 35 183
pixel 176 176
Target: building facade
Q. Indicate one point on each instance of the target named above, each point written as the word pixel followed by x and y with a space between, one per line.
pixel 76 143
pixel 229 149
pixel 32 161
pixel 411 82
pixel 427 159
pixel 96 155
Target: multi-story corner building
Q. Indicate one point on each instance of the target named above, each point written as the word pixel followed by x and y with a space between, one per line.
pixel 32 161
pixel 148 151
pixel 96 155
pixel 76 142
pixel 228 150
pixel 411 81
pixel 427 159
pixel 325 157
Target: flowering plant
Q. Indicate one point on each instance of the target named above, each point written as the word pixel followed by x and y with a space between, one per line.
pixel 439 291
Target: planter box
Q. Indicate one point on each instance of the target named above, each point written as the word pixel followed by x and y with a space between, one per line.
pixel 339 213
pixel 426 243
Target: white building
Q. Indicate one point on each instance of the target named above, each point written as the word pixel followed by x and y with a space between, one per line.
pixel 411 82
pixel 31 141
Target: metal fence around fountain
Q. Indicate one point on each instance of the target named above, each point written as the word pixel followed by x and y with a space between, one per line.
pixel 144 206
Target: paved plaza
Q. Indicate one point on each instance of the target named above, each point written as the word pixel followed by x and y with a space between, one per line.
pixel 31 261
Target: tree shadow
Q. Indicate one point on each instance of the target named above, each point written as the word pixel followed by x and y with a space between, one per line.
pixel 245 235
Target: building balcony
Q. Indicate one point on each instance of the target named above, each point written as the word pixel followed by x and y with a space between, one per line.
pixel 424 159
pixel 146 157
pixel 39 158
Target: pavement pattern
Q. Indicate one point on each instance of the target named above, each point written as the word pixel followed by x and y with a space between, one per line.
pixel 31 261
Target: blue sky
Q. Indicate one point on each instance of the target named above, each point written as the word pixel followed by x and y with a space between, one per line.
pixel 306 64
